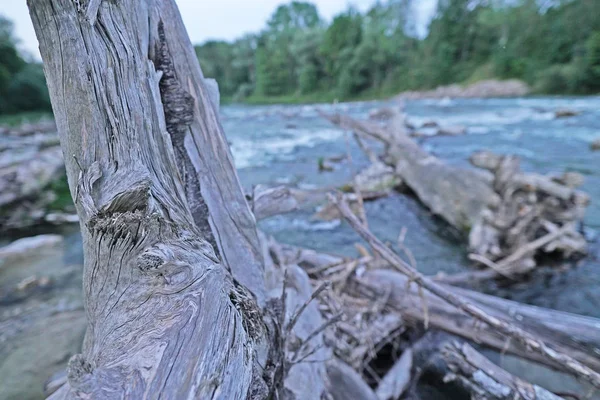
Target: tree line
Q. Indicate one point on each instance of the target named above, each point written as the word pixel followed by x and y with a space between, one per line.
pixel 553 45
pixel 22 83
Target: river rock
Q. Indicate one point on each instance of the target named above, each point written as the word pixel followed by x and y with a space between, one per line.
pixel 565 113
pixel 429 124
pixel 452 130
pixel 595 146
pixel 23 250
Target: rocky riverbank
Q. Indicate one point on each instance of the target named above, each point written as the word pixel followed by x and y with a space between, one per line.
pixel 42 321
pixel 482 89
pixel 33 186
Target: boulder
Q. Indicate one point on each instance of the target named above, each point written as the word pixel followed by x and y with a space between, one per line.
pixel 24 250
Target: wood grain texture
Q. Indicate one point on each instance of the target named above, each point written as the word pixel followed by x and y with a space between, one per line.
pixel 154 185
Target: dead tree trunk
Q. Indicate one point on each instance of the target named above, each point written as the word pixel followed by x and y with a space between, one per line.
pixel 178 300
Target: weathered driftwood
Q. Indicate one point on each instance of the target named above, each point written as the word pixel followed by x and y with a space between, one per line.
pixel 456 194
pixel 174 276
pixel 510 330
pixel 345 383
pixel 569 333
pixel 370 287
pixel 562 329
pixel 270 201
pixel 511 216
pixel 485 380
pixel 267 201
pixel 537 214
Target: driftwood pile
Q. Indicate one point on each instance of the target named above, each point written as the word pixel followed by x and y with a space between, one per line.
pixel 512 218
pixel 385 323
pixel 536 215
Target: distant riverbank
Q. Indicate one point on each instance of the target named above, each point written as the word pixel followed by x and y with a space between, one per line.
pixel 491 88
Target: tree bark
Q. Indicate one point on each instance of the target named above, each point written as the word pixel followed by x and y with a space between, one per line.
pixel 178 301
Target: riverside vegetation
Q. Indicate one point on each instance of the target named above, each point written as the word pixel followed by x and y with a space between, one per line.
pixel 299 57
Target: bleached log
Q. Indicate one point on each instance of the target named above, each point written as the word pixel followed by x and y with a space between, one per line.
pixel 485 380
pixel 456 194
pixel 174 276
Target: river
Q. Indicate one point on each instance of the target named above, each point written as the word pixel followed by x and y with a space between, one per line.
pixel 283 145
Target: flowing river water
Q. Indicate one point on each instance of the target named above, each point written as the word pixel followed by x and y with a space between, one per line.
pixel 283 145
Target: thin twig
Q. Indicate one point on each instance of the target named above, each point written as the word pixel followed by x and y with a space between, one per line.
pixel 299 312
pixel 521 336
pixel 491 265
pixel 316 332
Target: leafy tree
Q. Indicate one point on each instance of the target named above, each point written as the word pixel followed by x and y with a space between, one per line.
pixel 295 16
pixel 340 39
pixel 22 84
pixel 592 62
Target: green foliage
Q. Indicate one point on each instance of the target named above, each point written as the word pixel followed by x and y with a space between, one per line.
pixel 557 79
pixel 28 89
pixel 591 63
pixel 552 45
pixel 22 84
pixel 63 200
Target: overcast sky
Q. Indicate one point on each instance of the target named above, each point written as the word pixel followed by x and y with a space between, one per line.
pixel 205 19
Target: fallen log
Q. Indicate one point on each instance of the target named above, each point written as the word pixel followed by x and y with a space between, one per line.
pixel 458 195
